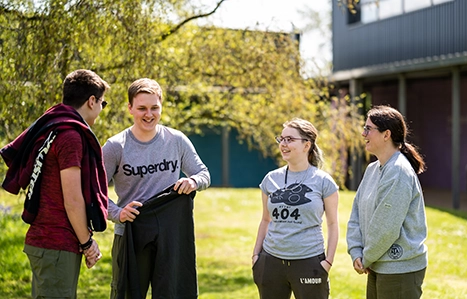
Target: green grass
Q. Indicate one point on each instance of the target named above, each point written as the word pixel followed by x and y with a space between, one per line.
pixel 226 222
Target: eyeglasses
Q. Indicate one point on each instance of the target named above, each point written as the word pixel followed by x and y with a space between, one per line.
pixel 103 103
pixel 367 129
pixel 287 139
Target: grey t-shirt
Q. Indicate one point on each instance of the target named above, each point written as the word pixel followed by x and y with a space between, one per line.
pixel 140 170
pixel 296 211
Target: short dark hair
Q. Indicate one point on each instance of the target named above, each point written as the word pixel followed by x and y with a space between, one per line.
pixel 80 85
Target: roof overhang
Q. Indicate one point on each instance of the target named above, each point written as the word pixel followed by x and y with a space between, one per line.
pixel 434 63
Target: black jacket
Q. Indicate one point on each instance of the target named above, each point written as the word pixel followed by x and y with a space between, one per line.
pixel 166 223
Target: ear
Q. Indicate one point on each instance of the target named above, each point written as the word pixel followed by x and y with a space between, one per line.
pixel 387 135
pixel 91 102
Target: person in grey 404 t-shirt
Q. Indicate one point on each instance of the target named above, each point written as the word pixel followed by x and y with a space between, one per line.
pixel 290 253
pixel 142 161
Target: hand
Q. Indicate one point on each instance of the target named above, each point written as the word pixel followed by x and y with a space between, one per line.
pixel 358 266
pixel 90 262
pixel 92 255
pixel 185 186
pixel 129 212
pixel 325 265
pixel 254 259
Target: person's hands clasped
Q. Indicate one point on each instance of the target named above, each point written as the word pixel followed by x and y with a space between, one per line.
pixel 358 266
pixel 129 212
pixel 92 254
pixel 185 186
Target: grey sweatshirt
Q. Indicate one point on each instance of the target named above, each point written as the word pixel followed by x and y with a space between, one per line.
pixel 140 170
pixel 387 226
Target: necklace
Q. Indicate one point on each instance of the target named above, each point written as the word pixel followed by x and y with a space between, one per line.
pixel 295 185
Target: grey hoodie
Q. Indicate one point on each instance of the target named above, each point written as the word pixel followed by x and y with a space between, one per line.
pixel 387 227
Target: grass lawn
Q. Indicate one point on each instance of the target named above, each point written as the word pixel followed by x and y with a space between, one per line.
pixel 226 222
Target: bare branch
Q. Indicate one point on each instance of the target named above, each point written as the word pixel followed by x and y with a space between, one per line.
pixel 178 26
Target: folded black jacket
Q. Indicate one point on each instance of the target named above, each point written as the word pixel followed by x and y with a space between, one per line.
pixel 166 223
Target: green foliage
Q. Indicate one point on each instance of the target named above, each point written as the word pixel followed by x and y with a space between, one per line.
pixel 243 79
pixel 226 222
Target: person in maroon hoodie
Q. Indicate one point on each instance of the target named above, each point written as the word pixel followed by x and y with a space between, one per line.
pixel 59 160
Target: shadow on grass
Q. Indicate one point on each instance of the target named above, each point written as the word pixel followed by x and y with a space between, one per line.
pixel 457 213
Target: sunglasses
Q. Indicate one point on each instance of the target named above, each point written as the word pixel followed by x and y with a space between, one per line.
pixel 103 103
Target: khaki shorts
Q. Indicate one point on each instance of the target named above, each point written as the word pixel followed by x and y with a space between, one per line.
pixel 54 272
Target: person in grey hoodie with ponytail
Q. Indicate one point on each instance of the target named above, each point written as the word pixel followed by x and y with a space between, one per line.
pixel 387 229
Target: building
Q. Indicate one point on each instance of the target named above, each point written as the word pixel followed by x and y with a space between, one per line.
pixel 411 54
pixel 231 162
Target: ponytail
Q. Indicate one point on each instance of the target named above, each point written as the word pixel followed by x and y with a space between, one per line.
pixel 414 157
pixel 315 156
pixel 308 132
pixel 388 118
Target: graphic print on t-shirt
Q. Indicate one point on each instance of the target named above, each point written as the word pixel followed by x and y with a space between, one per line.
pixel 293 195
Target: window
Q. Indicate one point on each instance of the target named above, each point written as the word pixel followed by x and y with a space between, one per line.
pixel 369 11
pixel 374 10
pixel 440 1
pixel 354 16
pixel 390 8
pixel 411 5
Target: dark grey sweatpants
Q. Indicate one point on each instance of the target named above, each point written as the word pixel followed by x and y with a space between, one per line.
pixel 395 286
pixel 277 278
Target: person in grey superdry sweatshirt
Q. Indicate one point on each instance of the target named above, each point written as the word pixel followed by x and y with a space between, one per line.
pixel 142 161
pixel 387 228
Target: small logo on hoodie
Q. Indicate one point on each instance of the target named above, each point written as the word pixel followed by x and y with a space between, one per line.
pixel 395 252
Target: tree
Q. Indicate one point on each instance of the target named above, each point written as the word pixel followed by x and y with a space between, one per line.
pixel 42 41
pixel 211 77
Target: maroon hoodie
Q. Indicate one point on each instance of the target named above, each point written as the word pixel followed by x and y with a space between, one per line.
pixel 24 155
